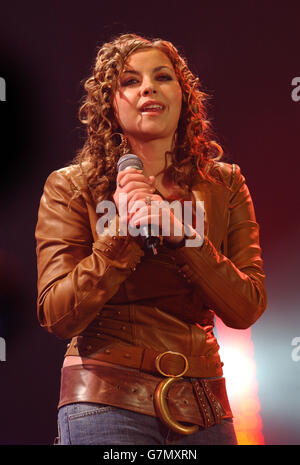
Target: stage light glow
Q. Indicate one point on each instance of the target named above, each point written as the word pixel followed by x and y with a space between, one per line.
pixel 237 354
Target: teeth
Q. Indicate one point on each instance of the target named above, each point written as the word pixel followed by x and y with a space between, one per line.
pixel 153 107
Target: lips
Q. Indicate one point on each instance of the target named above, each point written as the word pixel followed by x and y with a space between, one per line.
pixel 152 106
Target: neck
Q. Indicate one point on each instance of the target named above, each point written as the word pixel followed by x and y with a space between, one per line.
pixel 152 154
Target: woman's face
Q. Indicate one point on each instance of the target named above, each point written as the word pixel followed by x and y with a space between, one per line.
pixel 148 99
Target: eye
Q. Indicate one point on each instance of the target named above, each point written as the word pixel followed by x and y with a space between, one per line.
pixel 164 77
pixel 129 82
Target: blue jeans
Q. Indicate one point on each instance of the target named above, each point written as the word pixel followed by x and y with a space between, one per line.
pixel 87 423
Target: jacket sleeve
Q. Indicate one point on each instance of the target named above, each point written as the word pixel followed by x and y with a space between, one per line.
pixel 233 285
pixel 76 276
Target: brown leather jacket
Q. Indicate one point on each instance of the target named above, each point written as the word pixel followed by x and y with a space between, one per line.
pixel 122 305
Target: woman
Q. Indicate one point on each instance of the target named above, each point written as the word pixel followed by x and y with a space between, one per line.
pixel 143 366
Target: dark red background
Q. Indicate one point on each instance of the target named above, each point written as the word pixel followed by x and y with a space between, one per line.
pixel 246 55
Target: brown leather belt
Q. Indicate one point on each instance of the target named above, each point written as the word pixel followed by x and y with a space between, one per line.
pixel 201 402
pixel 167 363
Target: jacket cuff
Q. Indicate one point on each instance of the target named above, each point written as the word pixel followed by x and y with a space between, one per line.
pixel 186 258
pixel 122 251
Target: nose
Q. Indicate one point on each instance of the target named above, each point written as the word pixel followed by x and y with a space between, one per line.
pixel 148 88
pixel 149 91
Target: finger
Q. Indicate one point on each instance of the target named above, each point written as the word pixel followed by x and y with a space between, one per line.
pixel 133 181
pixel 141 194
pixel 144 194
pixel 122 174
pixel 143 217
pixel 151 180
pixel 153 200
pixel 167 227
pixel 134 185
pixel 140 210
pixel 147 196
pixel 130 174
pixel 131 186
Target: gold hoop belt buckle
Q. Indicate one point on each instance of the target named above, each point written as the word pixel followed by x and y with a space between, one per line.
pixel 161 393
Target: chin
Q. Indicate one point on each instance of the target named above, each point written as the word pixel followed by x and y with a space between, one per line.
pixel 148 136
pixel 154 131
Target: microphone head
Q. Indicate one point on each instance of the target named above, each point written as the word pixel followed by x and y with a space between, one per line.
pixel 129 161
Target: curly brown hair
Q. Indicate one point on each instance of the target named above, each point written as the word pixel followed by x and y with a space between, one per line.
pixel 194 150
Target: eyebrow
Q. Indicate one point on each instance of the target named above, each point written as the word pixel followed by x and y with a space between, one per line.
pixel 158 68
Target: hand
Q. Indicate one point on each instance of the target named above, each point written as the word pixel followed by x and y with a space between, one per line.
pixel 159 215
pixel 135 185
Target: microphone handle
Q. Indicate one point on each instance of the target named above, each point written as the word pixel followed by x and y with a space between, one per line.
pixel 133 161
pixel 151 242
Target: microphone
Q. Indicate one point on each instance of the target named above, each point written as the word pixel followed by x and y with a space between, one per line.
pixel 133 161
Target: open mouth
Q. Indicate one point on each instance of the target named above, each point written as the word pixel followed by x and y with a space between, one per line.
pixel 152 108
